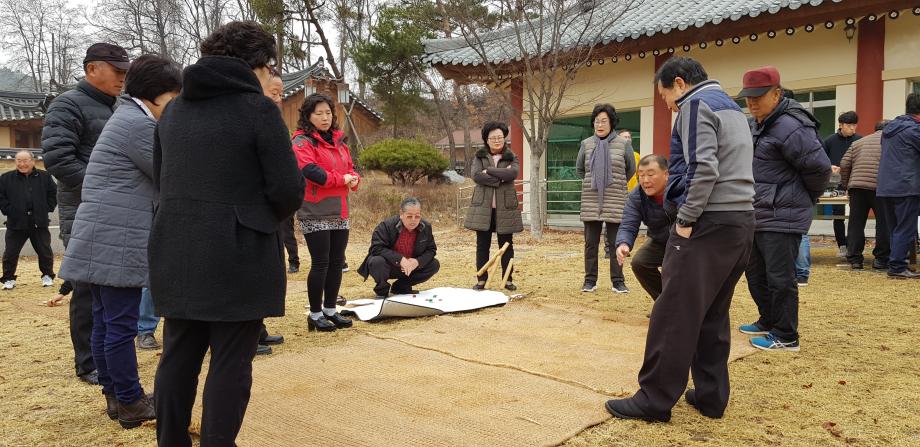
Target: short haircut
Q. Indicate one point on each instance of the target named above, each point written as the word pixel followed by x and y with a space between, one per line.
pixel 309 105
pixel 488 127
pixel 24 151
pixel 688 69
pixel 409 202
pixel 609 110
pixel 913 104
pixel 848 118
pixel 653 158
pixel 881 124
pixel 788 93
pixel 150 76
pixel 245 40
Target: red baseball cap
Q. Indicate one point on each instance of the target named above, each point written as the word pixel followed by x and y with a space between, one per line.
pixel 759 81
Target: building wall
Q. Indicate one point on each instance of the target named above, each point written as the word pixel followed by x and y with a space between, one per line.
pixel 6 137
pixel 823 60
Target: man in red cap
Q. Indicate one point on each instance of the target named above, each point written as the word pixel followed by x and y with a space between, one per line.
pixel 791 170
pixel 72 124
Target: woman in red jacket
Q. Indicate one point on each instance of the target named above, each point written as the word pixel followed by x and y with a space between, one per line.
pixel 326 164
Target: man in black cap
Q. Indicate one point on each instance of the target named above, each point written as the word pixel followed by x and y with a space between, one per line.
pixel 72 124
pixel 835 146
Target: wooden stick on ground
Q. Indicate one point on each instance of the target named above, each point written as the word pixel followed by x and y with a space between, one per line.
pixel 494 272
pixel 492 260
pixel 507 273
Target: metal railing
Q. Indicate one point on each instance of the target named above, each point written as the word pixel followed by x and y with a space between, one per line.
pixel 556 206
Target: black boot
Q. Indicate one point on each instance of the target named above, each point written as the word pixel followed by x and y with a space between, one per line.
pixel 134 414
pixel 338 320
pixel 111 406
pixel 320 324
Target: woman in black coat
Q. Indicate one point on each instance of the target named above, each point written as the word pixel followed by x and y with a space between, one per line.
pixel 227 179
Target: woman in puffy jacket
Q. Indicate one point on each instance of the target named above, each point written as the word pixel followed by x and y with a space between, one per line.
pixel 326 164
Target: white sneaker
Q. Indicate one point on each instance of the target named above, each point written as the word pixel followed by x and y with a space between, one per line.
pixel 9 285
pixel 842 252
pixel 47 281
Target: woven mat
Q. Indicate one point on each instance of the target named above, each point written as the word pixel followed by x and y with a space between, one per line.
pixel 372 392
pixel 602 353
pixel 519 375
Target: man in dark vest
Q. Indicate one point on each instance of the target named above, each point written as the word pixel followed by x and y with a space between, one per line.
pixel 72 124
pixel 27 196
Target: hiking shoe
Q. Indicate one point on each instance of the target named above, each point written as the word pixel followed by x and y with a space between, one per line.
pixel 47 281
pixel 147 341
pixel 771 343
pixel 802 281
pixel 134 414
pixel 620 287
pixel 345 267
pixel 9 285
pixel 588 287
pixel 753 329
pixel 906 274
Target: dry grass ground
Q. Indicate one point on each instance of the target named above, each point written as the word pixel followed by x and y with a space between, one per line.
pixel 856 380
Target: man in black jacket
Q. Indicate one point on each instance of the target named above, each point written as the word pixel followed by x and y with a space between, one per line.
pixel 835 146
pixel 402 248
pixel 27 195
pixel 645 204
pixel 72 124
pixel 790 173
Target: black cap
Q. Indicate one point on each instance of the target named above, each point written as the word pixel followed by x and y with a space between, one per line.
pixel 106 52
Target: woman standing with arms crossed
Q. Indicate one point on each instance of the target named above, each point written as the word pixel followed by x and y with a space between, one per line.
pixel 326 164
pixel 494 206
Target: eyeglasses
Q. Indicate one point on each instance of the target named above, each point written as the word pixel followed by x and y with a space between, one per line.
pixel 496 139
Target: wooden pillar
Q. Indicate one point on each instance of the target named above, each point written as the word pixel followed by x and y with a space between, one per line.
pixel 517 133
pixel 870 61
pixel 661 133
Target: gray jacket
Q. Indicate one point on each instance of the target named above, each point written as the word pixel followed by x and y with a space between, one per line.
pixel 623 165
pixel 712 155
pixel 108 243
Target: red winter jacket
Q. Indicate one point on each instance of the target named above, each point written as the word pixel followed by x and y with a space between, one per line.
pixel 324 166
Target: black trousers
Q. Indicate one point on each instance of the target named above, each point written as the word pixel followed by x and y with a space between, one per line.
pixel 689 326
pixel 290 242
pixel 840 226
pixel 382 271
pixel 226 388
pixel 861 201
pixel 645 264
pixel 327 254
pixel 771 281
pixel 41 242
pixel 592 239
pixel 484 240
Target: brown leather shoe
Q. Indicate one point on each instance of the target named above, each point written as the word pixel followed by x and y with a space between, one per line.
pixel 111 406
pixel 134 414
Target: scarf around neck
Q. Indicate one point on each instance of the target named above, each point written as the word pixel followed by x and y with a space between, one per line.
pixel 600 166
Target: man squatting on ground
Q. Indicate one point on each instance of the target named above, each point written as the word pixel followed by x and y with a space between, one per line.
pixel 402 248
pixel 645 204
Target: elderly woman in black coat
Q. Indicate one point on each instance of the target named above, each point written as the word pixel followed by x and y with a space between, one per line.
pixel 227 179
pixel 108 241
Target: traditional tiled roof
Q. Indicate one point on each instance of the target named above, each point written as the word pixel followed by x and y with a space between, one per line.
pixel 644 18
pixel 294 83
pixel 18 106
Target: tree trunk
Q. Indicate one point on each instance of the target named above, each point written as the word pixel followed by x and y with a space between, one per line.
pixel 537 194
pixel 460 91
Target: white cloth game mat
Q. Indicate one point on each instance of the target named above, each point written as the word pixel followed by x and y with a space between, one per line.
pixel 425 303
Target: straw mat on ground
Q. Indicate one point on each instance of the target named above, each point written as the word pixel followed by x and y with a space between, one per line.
pixel 373 392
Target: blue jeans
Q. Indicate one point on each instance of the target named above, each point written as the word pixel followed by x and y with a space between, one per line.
pixel 115 311
pixel 803 260
pixel 147 322
pixel 901 218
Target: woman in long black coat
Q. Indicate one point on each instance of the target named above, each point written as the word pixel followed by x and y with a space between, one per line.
pixel 227 178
